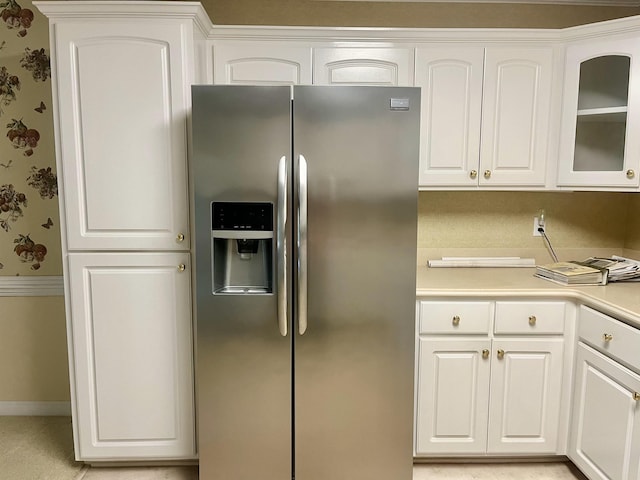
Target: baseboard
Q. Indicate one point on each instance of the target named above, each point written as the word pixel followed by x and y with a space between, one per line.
pixel 35 409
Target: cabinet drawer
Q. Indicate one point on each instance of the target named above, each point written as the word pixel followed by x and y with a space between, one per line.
pixel 455 317
pixel 610 336
pixel 529 318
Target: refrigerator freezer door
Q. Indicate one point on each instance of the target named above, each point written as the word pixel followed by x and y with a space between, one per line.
pixel 354 364
pixel 243 360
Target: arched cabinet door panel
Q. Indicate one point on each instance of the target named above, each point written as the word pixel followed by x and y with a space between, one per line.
pixel 122 103
pixel 363 66
pixel 601 113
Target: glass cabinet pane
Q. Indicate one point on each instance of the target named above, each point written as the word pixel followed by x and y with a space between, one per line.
pixel 602 114
pixel 604 82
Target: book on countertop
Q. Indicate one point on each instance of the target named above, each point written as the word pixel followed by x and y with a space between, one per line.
pixel 591 271
pixel 572 273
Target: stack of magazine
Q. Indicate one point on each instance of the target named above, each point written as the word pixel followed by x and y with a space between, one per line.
pixel 592 271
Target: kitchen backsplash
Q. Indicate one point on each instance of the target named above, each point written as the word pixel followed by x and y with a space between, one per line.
pixel 501 224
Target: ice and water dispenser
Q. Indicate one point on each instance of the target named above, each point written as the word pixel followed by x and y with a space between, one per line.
pixel 242 249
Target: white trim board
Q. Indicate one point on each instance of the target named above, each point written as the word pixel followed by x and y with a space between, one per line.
pixel 33 286
pixel 38 409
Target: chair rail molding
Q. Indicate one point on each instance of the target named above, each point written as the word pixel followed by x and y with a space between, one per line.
pixel 34 286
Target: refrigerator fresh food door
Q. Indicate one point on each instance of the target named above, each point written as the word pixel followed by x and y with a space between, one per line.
pixel 241 153
pixel 353 361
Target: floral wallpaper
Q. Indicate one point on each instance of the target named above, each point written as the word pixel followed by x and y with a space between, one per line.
pixel 29 231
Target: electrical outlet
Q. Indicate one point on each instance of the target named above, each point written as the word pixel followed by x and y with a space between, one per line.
pixel 536 225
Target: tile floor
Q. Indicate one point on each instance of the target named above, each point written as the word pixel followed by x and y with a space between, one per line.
pixel 41 448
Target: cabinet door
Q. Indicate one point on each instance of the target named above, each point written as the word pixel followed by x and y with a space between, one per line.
pixel 605 430
pixel 451 81
pixel 256 63
pixel 132 355
pixel 526 389
pixel 452 396
pixel 122 95
pixel 515 116
pixel 363 66
pixel 601 115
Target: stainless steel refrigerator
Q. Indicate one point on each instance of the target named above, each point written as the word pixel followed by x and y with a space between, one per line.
pixel 305 219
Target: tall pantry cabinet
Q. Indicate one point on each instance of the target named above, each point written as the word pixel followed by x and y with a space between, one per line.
pixel 121 81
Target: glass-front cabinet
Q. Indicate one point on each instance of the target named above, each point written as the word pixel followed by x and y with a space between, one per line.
pixel 601 112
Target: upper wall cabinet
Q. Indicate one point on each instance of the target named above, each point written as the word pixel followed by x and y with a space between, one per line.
pixel 451 81
pixel 485 115
pixel 363 66
pixel 122 91
pixel 261 63
pixel 601 115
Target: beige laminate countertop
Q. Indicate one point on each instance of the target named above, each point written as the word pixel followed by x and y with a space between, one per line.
pixel 621 300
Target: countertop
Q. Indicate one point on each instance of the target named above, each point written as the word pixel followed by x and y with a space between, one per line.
pixel 621 300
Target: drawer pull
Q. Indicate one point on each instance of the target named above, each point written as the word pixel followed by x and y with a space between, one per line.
pixel 487 174
pixel 500 354
pixel 631 174
pixel 473 173
pixel 456 321
pixel 532 320
pixel 636 395
pixel 485 353
pixel 607 337
pixel 180 237
pixel 182 267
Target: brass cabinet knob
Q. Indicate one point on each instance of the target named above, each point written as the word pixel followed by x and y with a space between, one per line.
pixel 180 237
pixel 182 267
pixel 607 337
pixel 631 173
pixel 487 174
pixel 455 320
pixel 636 395
pixel 473 173
pixel 485 353
pixel 500 354
pixel 532 320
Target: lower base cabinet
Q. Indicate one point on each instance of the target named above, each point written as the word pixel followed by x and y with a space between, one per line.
pixel 132 366
pixel 605 436
pixel 481 396
pixel 489 378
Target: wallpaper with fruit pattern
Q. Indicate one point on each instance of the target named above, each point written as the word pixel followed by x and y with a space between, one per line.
pixel 29 232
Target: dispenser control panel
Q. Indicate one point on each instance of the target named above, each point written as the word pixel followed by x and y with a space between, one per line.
pixel 236 216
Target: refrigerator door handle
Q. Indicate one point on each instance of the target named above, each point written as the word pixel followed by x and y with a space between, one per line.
pixel 302 245
pixel 281 246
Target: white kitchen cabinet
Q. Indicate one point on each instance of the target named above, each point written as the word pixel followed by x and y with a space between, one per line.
pixel 453 395
pixel 485 115
pixel 121 75
pixel 601 113
pixel 526 386
pixel 605 437
pixel 493 387
pixel 451 81
pixel 132 355
pixel 363 66
pixel 257 63
pixel 122 96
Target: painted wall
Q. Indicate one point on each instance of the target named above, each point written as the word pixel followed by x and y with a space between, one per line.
pixel 33 350
pixel 33 365
pixel 410 14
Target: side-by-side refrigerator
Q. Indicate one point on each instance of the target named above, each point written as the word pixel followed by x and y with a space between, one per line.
pixel 305 216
